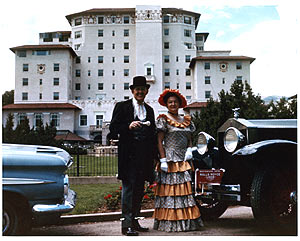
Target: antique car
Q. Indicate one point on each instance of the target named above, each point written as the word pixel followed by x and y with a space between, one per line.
pixel 35 187
pixel 255 165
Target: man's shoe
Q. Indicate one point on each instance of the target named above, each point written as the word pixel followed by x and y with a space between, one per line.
pixel 129 232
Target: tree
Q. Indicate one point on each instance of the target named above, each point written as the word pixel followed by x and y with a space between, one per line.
pixel 217 112
pixel 284 108
pixel 8 131
pixel 8 97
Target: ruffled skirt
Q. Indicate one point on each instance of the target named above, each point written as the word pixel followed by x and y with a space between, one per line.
pixel 175 207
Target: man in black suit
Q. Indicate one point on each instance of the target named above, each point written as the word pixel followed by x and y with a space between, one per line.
pixel 133 124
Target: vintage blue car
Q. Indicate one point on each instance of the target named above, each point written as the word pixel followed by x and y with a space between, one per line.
pixel 35 187
pixel 252 163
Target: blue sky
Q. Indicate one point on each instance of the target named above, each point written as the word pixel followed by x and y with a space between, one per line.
pixel 228 23
pixel 267 30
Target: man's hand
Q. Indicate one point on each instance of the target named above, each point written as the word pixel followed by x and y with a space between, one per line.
pixel 134 124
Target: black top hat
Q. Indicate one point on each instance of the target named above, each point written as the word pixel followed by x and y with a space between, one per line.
pixel 139 81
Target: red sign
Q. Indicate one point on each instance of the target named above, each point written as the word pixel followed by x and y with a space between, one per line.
pixel 209 176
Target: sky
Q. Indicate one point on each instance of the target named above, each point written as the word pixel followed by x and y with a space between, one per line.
pixel 267 30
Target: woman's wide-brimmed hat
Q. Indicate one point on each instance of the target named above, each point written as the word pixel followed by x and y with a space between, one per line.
pixel 170 92
pixel 139 81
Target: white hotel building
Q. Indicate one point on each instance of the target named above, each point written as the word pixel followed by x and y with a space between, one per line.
pixel 74 78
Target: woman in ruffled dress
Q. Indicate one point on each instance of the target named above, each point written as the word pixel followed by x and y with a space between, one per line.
pixel 175 207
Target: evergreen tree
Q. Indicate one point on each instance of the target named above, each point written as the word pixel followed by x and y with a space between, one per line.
pixel 8 97
pixel 8 131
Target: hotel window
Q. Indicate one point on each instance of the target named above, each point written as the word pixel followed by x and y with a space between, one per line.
pixel 126 19
pixel 187 72
pixel 207 80
pixel 54 119
pixel 166 31
pixel 177 71
pixel 100 32
pixel 206 65
pixel 77 97
pixel 167 58
pixel 77 46
pixel 41 52
pixel 207 94
pixel 239 79
pixel 126 59
pixel 100 72
pixel 187 33
pixel 25 81
pixel 113 72
pixel 187 20
pixel 126 86
pixel 188 85
pixel 126 32
pixel 41 96
pixel 25 67
pixel 177 85
pixel 78 21
pixel 21 118
pixel 238 65
pixel 89 86
pixel 113 46
pixel 55 95
pixel 89 59
pixel 166 19
pixel 77 72
pixel 24 96
pixel 77 86
pixel 188 45
pixel 78 34
pixel 83 120
pixel 100 86
pixel 100 20
pixel 188 97
pixel 149 71
pixel 126 97
pixel 199 38
pixel 126 72
pixel 177 59
pixel 188 58
pixel 100 46
pixel 167 85
pixel 113 19
pixel 21 53
pixel 223 80
pixel 55 67
pixel 55 81
pixel 100 59
pixel 126 45
pixel 38 119
pixel 77 60
pixel 113 86
pixel 167 72
pixel 41 81
pixel 113 33
pixel 166 45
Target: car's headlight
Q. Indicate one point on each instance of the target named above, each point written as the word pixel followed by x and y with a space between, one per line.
pixel 204 140
pixel 232 138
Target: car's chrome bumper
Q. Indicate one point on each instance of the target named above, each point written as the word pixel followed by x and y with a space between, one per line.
pixel 221 192
pixel 67 206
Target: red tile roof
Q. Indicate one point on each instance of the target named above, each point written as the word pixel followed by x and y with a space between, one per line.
pixel 40 106
pixel 69 136
pixel 196 105
pixel 210 58
pixel 44 47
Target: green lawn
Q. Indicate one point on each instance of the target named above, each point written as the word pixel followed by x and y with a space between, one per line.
pixel 91 196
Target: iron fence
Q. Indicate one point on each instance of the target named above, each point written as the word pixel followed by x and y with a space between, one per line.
pixel 102 163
